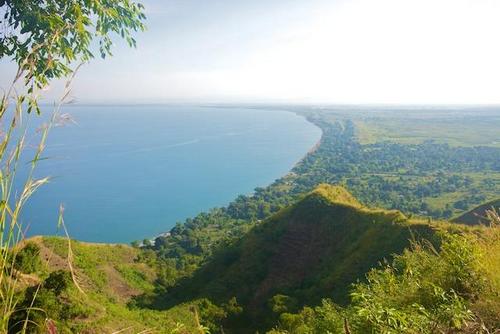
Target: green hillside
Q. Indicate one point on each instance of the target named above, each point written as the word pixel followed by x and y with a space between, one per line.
pixel 478 214
pixel 324 264
pixel 314 249
pixel 96 299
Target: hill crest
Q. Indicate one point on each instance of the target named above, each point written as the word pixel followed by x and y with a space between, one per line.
pixel 313 249
pixel 477 216
pixel 335 195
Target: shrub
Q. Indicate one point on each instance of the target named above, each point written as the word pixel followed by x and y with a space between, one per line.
pixel 27 260
pixel 422 291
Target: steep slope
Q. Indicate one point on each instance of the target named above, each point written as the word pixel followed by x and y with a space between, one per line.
pixel 477 215
pixel 316 248
pixel 109 277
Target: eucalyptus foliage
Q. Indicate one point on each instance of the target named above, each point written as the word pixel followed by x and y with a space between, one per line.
pixel 45 37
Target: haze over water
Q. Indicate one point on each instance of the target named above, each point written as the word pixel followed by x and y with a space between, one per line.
pixel 126 173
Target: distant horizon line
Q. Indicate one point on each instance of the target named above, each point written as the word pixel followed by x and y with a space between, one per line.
pixel 276 103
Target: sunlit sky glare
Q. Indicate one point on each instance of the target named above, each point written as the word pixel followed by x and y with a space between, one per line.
pixel 305 51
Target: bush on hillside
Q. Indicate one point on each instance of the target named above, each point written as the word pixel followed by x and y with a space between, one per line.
pixel 422 291
pixel 27 260
pixel 49 300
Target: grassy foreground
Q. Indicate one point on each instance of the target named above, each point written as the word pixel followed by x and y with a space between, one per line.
pixel 325 264
pixel 109 276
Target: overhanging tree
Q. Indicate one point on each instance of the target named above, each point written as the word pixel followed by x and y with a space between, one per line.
pixel 44 37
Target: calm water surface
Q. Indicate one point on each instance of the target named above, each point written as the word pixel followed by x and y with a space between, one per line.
pixel 125 173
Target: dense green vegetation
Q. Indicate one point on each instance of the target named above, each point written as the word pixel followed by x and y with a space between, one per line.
pixel 324 264
pixel 425 179
pixel 422 291
pixel 27 260
pixel 313 249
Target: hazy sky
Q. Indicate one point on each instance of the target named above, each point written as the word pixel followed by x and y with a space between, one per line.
pixel 313 51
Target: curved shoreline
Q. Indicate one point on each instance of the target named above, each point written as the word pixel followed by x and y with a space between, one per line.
pixel 313 149
pixel 318 143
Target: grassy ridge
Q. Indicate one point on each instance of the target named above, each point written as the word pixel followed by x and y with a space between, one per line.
pixel 314 249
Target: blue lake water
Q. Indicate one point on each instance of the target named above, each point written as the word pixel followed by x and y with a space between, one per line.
pixel 126 173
